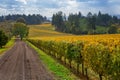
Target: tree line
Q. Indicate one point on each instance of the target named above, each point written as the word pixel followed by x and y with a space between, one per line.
pixel 30 19
pixel 91 24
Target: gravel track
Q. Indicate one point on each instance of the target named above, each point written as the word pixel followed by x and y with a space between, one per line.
pixel 21 62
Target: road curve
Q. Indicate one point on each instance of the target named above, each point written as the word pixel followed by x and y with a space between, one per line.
pixel 22 63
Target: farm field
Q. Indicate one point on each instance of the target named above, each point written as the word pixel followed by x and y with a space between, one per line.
pixel 46 32
pixel 96 56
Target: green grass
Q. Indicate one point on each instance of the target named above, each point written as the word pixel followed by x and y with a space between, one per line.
pixel 60 72
pixel 7 46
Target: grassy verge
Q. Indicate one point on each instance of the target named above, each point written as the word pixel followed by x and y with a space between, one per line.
pixel 7 46
pixel 57 69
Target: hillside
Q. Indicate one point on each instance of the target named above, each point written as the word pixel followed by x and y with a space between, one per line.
pixel 47 32
pixel 44 31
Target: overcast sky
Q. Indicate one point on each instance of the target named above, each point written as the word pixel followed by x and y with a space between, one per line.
pixel 48 7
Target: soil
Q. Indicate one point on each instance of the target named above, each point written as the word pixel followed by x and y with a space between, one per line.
pixel 21 62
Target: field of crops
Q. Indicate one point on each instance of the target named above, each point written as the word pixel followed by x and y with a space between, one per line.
pixel 46 32
pixel 99 53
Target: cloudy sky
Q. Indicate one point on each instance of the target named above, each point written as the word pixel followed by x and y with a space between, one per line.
pixel 48 7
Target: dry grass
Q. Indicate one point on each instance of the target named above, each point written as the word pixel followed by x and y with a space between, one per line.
pixel 44 30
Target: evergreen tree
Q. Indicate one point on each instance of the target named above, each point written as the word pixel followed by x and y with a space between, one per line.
pixel 58 22
pixel 91 23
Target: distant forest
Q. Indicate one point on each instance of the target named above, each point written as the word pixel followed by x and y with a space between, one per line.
pixel 91 24
pixel 30 19
pixel 73 23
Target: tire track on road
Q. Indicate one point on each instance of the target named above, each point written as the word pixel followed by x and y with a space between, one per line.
pixel 21 62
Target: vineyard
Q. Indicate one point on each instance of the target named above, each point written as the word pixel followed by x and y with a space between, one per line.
pixel 98 53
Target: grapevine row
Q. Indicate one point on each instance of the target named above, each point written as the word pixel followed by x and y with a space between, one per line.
pixel 101 57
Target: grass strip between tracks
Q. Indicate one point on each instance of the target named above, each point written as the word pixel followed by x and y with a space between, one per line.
pixel 7 46
pixel 56 68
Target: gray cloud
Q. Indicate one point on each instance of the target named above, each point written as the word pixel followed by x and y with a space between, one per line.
pixel 48 7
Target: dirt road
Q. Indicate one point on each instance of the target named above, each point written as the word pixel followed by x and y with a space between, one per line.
pixel 22 63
